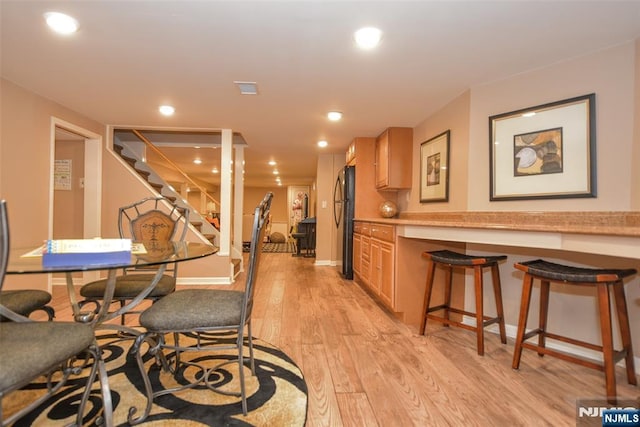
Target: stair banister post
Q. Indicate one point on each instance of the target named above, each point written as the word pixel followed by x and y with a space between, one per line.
pixel 225 192
pixel 238 195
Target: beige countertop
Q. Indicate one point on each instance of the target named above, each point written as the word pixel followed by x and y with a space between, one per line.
pixel 601 223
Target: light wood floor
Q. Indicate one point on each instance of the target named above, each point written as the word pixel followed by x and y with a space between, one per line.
pixel 365 368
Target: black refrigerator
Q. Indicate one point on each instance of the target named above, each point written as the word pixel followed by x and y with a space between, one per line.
pixel 344 194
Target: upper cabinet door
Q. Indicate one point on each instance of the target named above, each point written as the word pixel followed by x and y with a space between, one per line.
pixel 382 160
pixel 393 159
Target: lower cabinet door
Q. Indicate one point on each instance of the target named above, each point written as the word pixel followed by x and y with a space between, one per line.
pixel 386 276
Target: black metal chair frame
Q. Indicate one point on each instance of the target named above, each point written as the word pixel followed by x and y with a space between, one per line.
pixel 17 343
pixel 127 217
pixel 166 318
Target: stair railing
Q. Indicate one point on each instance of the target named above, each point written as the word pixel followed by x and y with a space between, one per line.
pixel 177 168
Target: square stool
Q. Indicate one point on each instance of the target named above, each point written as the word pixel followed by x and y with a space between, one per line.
pixel 449 260
pixel 603 280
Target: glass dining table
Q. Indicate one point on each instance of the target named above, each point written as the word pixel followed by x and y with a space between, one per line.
pixel 155 254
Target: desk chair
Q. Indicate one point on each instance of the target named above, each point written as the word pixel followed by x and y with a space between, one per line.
pixel 153 219
pixel 30 349
pixel 205 314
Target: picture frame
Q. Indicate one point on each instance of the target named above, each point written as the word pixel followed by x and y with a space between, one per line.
pixel 544 152
pixel 434 169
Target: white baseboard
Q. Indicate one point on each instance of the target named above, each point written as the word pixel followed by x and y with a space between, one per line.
pixel 204 281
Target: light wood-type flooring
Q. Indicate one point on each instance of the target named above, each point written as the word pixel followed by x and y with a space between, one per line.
pixel 363 367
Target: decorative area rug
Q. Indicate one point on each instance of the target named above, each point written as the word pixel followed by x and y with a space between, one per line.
pixel 287 247
pixel 276 395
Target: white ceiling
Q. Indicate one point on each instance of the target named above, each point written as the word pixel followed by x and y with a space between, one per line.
pixel 131 56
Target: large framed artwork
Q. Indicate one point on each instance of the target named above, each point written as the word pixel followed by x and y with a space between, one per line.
pixel 544 152
pixel 434 169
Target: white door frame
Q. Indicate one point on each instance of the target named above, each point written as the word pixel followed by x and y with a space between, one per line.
pixel 92 183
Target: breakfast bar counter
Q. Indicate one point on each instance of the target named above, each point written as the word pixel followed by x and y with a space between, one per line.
pixel 605 233
pixel 388 262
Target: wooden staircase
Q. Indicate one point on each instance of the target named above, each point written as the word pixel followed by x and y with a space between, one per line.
pixel 236 262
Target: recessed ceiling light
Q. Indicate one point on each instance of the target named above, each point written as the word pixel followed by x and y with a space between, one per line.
pixel 197 161
pixel 368 37
pixel 166 110
pixel 275 172
pixel 322 144
pixel 214 170
pixel 272 162
pixel 334 116
pixel 247 88
pixel 61 23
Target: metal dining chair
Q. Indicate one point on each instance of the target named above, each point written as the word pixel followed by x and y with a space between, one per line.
pixel 152 220
pixel 30 349
pixel 204 314
pixel 27 301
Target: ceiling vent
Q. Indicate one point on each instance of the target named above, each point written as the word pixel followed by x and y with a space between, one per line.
pixel 247 88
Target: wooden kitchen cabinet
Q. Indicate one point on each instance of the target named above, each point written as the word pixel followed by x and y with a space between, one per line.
pixel 382 262
pixel 357 253
pixel 394 149
pixel 383 269
pixel 375 257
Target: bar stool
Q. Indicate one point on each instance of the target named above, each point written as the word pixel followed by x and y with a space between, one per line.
pixel 603 280
pixel 448 260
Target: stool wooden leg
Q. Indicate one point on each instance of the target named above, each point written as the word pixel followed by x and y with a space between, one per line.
pixel 625 331
pixel 497 292
pixel 544 312
pixel 477 272
pixel 527 285
pixel 431 267
pixel 604 306
pixel 448 283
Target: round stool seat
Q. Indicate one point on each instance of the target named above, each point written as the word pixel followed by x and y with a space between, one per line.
pixel 463 260
pixel 565 273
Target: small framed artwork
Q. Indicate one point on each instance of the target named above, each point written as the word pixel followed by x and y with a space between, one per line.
pixel 544 152
pixel 434 169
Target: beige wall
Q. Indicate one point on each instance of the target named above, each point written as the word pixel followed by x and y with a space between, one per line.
pixel 614 76
pixel 610 74
pixel 254 195
pixel 635 155
pixel 453 117
pixel 25 166
pixel 26 159
pixel 25 178
pixel 327 246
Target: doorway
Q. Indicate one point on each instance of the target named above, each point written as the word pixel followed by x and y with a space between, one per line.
pixel 75 193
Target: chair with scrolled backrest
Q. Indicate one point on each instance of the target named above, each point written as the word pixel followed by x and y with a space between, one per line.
pixel 154 220
pixel 30 349
pixel 205 314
